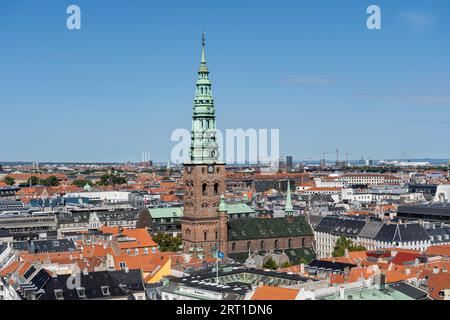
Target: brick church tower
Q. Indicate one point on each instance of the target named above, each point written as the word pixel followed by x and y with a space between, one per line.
pixel 204 227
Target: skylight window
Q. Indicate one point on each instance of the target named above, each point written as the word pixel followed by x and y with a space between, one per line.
pixel 105 290
pixel 59 294
pixel 81 292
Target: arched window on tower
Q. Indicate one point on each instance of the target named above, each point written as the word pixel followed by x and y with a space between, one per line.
pixel 249 245
pixel 217 235
pixel 204 192
pixel 216 189
pixel 276 244
pixel 290 243
pixel 233 246
pixel 205 235
pixel 303 242
pixel 262 245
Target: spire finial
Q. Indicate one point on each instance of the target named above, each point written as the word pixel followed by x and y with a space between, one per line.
pixel 203 49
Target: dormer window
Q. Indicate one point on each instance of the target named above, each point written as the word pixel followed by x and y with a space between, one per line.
pixel 59 294
pixel 105 290
pixel 81 292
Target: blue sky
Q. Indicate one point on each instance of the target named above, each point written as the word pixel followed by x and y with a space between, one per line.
pixel 124 82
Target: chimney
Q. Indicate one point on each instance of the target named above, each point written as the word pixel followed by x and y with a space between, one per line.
pixel 380 281
pixel 342 293
pixel 302 268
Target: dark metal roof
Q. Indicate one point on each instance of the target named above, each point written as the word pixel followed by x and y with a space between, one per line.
pixel 330 265
pixel 409 290
pixel 119 283
pixel 432 210
pixel 402 233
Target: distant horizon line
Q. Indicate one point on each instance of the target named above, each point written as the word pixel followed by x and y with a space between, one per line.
pixel 445 160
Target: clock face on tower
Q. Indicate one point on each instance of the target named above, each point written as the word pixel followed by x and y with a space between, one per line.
pixel 210 169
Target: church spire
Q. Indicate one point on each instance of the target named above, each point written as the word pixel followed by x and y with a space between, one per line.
pixel 204 148
pixel 288 209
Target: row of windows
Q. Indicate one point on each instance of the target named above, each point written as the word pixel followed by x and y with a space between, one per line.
pixel 262 244
pixel 205 189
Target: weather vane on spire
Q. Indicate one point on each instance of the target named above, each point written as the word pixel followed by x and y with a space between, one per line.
pixel 203 38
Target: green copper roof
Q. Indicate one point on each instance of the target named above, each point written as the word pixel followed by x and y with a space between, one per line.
pixel 288 209
pixel 370 294
pixel 239 208
pixel 161 213
pixel 257 228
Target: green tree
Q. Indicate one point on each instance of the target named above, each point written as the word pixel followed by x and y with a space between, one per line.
pixel 82 182
pixel 270 264
pixel 51 181
pixel 111 179
pixel 167 243
pixel 32 181
pixel 286 265
pixel 10 181
pixel 343 244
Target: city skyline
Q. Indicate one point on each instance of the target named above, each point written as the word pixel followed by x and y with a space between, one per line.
pixel 120 85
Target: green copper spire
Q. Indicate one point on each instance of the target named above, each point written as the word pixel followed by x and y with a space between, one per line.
pixel 204 148
pixel 222 205
pixel 288 209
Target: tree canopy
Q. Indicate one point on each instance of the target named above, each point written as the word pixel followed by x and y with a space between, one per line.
pixel 167 243
pixel 82 182
pixel 51 181
pixel 10 181
pixel 270 264
pixel 111 179
pixel 342 244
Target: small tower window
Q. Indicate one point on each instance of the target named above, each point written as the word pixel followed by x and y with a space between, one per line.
pixel 205 235
pixel 216 189
pixel 204 192
pixel 290 243
pixel 233 246
pixel 276 244
pixel 262 245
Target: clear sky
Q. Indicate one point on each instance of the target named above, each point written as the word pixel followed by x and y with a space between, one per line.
pixel 125 81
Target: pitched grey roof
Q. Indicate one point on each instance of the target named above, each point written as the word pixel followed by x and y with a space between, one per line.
pixel 83 217
pixel 341 227
pixel 439 235
pixel 402 233
pixel 314 220
pixel 119 283
pixel 371 229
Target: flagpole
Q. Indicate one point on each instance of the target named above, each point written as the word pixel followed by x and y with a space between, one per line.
pixel 217 267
